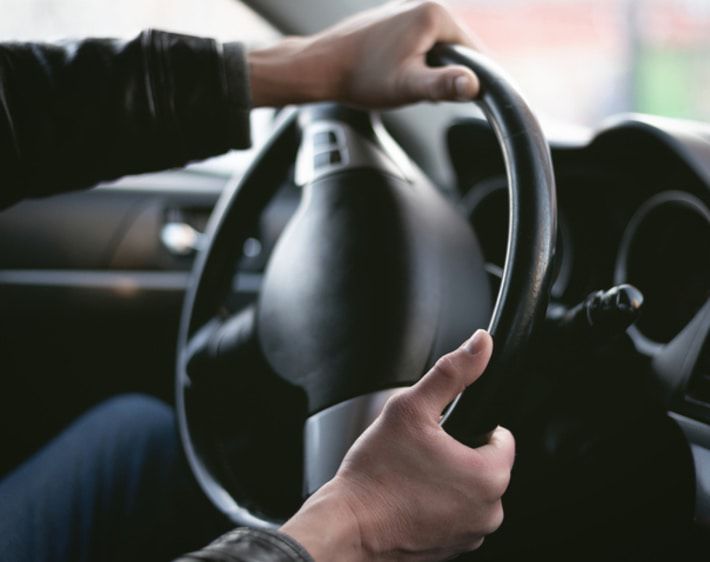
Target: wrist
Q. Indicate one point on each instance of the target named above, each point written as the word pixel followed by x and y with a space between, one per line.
pixel 296 70
pixel 327 528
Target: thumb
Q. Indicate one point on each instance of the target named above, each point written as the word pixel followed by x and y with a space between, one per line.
pixel 453 372
pixel 450 83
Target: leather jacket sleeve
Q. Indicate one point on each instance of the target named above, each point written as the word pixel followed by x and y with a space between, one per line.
pixel 250 545
pixel 77 113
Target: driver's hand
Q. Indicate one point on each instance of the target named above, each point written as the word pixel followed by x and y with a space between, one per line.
pixel 407 490
pixel 375 59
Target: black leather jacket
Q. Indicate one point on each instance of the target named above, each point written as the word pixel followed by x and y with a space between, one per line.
pixel 74 114
pixel 77 113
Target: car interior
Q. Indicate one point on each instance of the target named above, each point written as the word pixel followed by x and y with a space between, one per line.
pixel 262 294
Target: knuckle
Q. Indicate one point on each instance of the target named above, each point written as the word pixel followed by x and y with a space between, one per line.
pixel 430 13
pixel 446 368
pixel 432 92
pixel 499 482
pixel 495 482
pixel 495 519
pixel 401 407
pixel 507 437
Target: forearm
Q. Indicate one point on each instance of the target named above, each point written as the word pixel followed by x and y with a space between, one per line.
pixel 75 114
pixel 291 72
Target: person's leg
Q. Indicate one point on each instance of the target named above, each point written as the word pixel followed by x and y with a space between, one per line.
pixel 113 486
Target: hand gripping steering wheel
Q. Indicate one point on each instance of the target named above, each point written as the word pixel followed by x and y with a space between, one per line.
pixel 374 277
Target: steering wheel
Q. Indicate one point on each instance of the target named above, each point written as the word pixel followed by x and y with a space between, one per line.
pixel 374 277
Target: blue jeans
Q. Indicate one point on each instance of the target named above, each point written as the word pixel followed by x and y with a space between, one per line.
pixel 112 486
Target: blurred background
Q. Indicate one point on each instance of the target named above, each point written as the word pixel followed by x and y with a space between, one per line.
pixel 576 60
pixel 582 60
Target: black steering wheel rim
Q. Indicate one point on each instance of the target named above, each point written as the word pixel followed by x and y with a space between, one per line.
pixel 525 285
pixel 532 233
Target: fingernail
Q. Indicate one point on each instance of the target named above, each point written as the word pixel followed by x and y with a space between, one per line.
pixel 462 87
pixel 474 344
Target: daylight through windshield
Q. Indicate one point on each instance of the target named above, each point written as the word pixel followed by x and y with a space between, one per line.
pixel 582 60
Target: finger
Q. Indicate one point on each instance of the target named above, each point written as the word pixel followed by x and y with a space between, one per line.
pixel 500 448
pixel 440 84
pixel 452 373
pixel 445 29
pixel 451 32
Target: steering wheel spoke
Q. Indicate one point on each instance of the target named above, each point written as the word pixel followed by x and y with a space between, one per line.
pixel 231 390
pixel 220 346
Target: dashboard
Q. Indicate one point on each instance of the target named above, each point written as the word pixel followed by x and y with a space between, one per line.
pixel 634 207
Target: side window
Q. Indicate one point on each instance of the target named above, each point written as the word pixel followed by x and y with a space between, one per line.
pixel 48 20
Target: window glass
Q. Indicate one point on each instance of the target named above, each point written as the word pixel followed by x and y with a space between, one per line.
pixel 581 60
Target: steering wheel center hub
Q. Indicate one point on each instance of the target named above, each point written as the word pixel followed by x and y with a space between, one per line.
pixel 374 277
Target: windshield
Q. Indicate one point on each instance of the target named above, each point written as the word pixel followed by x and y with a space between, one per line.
pixel 582 60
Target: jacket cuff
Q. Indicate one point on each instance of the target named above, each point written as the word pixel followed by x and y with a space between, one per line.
pixel 199 94
pixel 238 93
pixel 251 545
